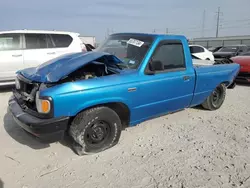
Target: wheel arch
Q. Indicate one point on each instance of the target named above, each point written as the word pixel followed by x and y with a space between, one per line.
pixel 120 107
pixel 227 83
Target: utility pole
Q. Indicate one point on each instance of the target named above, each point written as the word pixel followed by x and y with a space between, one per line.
pixel 203 23
pixel 218 21
pixel 166 30
pixel 107 33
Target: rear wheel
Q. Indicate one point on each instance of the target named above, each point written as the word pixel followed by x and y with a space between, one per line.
pixel 95 130
pixel 216 99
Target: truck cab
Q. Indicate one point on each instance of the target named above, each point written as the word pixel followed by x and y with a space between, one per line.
pixel 128 79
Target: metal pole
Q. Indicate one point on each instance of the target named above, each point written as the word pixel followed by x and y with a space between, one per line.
pixel 218 22
pixel 203 23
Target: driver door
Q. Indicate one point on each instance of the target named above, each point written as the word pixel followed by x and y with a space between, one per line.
pixel 170 89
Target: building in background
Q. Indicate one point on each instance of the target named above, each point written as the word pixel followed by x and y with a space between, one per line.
pixel 88 40
pixel 221 41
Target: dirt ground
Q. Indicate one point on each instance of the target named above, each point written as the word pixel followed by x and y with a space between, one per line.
pixel 188 149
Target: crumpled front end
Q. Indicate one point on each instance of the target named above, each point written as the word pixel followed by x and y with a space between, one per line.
pixel 23 107
pixel 59 68
pixel 25 92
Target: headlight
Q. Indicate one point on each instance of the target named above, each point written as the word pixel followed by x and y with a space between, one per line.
pixel 17 83
pixel 42 105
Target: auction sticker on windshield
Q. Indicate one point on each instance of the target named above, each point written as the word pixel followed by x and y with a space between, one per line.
pixel 135 42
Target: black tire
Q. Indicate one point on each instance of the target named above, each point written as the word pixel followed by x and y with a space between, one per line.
pixel 95 130
pixel 232 86
pixel 208 59
pixel 216 99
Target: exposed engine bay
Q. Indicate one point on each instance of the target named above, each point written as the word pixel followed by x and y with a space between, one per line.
pixel 25 91
pixel 89 71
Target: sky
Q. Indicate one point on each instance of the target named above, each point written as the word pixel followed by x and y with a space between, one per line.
pixel 102 17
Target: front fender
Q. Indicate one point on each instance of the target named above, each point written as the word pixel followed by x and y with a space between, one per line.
pixel 89 104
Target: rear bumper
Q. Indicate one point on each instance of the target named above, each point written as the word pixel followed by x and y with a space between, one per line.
pixel 49 130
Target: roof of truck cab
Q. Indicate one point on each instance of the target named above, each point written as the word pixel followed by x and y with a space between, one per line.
pixel 150 35
pixel 38 31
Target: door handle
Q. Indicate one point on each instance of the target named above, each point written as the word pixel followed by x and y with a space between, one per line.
pixel 186 77
pixel 17 55
pixel 131 89
pixel 51 53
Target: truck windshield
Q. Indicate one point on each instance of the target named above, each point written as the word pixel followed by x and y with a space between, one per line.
pixel 130 49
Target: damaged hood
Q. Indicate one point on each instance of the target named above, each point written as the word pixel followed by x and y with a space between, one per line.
pixel 56 69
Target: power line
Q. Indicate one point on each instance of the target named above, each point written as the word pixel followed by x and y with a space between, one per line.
pixel 107 33
pixel 233 21
pixel 181 29
pixel 197 28
pixel 235 27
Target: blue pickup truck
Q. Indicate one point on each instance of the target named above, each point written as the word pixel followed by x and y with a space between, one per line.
pixel 129 78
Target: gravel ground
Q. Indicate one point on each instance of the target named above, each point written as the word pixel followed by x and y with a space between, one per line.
pixel 188 149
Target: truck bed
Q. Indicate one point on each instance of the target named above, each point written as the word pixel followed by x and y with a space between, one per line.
pixel 200 62
pixel 208 77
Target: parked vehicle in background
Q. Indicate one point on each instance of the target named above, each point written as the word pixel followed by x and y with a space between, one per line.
pixel 88 40
pixel 199 62
pixel 201 52
pixel 28 48
pixel 89 47
pixel 230 51
pixel 94 95
pixel 244 61
pixel 214 49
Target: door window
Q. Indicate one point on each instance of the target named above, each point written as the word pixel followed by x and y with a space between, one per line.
pixel 196 49
pixel 35 41
pixel 171 56
pixel 244 48
pixel 10 42
pixel 50 43
pixel 61 41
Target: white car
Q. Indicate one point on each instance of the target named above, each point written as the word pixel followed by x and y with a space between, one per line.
pixel 201 52
pixel 200 62
pixel 26 48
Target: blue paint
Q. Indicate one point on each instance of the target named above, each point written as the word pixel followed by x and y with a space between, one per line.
pixel 155 94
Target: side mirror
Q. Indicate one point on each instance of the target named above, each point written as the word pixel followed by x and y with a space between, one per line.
pixel 155 66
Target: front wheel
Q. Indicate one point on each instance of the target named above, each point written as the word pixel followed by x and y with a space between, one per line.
pixel 216 99
pixel 95 130
pixel 232 86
